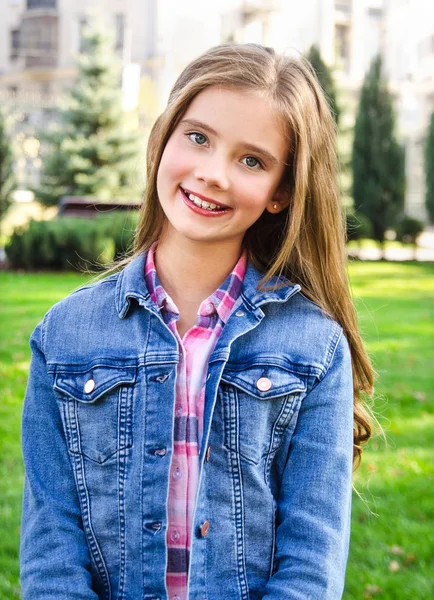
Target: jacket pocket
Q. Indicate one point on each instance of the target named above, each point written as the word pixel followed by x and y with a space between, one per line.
pixel 96 406
pixel 258 404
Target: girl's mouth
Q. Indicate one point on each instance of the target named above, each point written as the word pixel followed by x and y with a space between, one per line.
pixel 202 206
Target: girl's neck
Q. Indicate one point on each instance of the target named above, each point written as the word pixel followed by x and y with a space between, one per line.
pixel 191 271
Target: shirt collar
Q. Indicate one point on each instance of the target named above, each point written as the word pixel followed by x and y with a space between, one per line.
pixel 131 284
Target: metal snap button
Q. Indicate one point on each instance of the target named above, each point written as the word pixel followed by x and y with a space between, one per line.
pixel 264 384
pixel 208 453
pixel 204 528
pixel 239 313
pixel 89 386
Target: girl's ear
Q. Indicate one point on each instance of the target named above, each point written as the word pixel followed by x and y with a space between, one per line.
pixel 279 201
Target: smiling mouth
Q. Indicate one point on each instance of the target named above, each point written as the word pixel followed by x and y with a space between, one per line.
pixel 204 204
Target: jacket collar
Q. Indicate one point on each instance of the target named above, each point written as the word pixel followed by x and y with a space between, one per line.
pixel 131 285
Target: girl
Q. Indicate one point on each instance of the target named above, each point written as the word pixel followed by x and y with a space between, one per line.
pixel 188 423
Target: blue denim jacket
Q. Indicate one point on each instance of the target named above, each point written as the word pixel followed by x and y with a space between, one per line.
pixel 276 459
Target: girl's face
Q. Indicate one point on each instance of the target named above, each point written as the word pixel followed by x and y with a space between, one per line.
pixel 222 167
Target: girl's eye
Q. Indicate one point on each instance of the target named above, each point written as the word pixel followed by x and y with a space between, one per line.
pixel 197 138
pixel 252 162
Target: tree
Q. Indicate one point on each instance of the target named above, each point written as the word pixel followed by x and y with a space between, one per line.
pixel 94 149
pixel 325 78
pixel 7 178
pixel 378 160
pixel 429 170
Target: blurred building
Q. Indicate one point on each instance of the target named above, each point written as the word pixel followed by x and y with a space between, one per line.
pixel 156 38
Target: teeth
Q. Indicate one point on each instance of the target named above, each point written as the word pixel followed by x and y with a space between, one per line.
pixel 202 203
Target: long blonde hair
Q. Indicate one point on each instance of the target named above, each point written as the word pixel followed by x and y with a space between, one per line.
pixel 306 242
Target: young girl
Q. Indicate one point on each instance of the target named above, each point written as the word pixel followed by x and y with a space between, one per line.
pixel 189 421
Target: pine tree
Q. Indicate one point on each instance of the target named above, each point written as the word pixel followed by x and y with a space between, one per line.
pixel 429 170
pixel 7 177
pixel 325 78
pixel 94 149
pixel 378 160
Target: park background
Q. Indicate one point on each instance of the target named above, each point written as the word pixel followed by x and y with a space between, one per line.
pixel 375 60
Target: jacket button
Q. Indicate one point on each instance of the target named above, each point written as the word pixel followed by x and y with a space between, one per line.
pixel 162 378
pixel 204 528
pixel 264 384
pixel 208 453
pixel 89 386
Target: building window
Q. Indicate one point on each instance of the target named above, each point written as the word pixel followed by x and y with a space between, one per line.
pixel 342 45
pixel 343 7
pixel 41 4
pixel 375 13
pixel 82 24
pixel 119 31
pixel 15 43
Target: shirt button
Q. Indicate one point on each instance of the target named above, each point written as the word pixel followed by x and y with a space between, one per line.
pixel 178 410
pixel 204 528
pixel 175 535
pixel 264 384
pixel 89 386
pixel 176 598
pixel 209 308
pixel 208 453
pixel 177 474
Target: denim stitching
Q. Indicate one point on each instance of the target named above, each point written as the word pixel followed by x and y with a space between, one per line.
pixel 80 478
pixel 235 467
pixel 124 442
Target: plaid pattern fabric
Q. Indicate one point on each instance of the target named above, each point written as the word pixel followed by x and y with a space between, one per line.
pixel 195 348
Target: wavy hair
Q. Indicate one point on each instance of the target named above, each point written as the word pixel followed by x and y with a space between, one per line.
pixel 306 241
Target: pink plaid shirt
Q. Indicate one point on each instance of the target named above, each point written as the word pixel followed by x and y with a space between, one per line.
pixel 195 350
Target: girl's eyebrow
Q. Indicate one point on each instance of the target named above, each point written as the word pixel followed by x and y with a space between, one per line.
pixel 195 123
pixel 250 147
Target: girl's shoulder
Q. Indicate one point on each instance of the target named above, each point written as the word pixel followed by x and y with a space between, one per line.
pixel 86 297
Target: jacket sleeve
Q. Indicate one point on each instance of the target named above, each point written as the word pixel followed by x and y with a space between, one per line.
pixel 55 562
pixel 314 507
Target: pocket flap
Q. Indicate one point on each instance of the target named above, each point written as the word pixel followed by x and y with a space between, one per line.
pixel 264 381
pixel 90 384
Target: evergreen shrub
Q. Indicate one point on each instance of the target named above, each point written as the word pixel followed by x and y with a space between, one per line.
pixel 358 227
pixel 71 243
pixel 409 229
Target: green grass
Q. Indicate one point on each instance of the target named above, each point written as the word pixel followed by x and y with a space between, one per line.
pixel 392 544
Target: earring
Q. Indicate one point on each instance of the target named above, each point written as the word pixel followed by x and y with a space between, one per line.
pixel 274 206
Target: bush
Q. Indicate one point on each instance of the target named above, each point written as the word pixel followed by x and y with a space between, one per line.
pixel 71 243
pixel 358 227
pixel 408 230
pixel 121 228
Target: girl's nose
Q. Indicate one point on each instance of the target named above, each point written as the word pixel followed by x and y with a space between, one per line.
pixel 214 171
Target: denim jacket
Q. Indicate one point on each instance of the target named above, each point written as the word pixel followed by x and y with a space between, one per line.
pixel 273 505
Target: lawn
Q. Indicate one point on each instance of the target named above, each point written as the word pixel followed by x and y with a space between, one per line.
pixel 392 546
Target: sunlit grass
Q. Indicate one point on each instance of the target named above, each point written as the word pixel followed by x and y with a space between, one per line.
pixel 392 546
